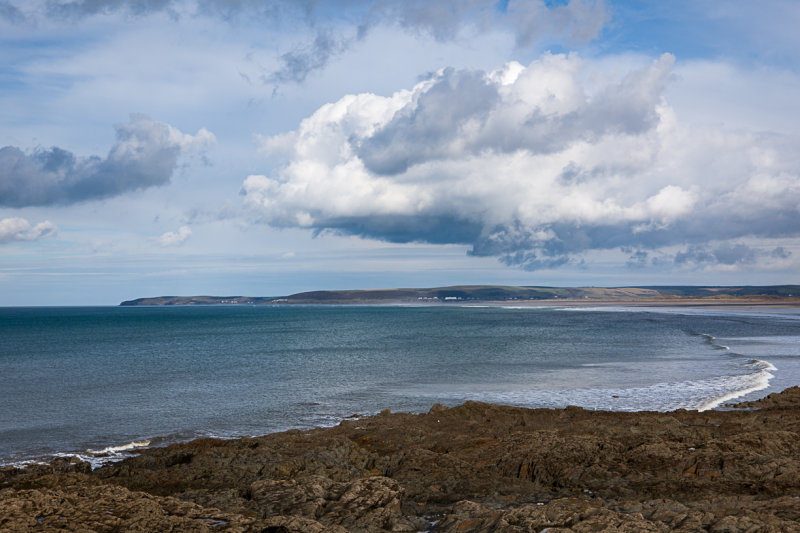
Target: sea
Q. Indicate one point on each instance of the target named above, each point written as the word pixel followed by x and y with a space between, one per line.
pixel 101 383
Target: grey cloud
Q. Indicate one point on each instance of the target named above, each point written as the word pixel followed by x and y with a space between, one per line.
pixel 441 19
pixel 694 254
pixel 338 24
pixel 82 8
pixel 274 11
pixel 731 254
pixel 426 128
pixel 531 262
pixel 145 155
pixel 559 239
pixel 630 105
pixel 563 240
pixel 448 229
pixel 455 113
pixel 514 244
pixel 11 13
pixel 532 21
pixel 637 259
pixel 725 254
pixel 780 253
pixel 299 63
pixel 576 21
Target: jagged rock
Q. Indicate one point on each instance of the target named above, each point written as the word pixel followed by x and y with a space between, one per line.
pixel 298 524
pixel 558 515
pixel 110 508
pixel 789 398
pixel 367 504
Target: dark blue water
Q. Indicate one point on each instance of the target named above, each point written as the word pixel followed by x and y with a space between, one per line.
pixel 79 379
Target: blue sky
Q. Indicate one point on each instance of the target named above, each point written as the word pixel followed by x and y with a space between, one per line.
pixel 239 147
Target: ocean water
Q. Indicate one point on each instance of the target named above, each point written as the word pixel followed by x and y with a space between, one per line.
pixel 103 382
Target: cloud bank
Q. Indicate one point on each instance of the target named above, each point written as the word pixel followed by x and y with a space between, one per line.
pixel 145 155
pixel 19 229
pixel 325 30
pixel 530 20
pixel 537 166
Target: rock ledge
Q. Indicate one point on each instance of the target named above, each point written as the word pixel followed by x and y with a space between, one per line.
pixel 475 467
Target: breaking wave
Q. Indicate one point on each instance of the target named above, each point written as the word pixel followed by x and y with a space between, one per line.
pixel 698 395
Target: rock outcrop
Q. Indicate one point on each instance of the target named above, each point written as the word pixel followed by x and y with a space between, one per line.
pixel 475 467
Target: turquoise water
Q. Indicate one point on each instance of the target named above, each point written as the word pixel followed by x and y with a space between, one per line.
pixel 97 381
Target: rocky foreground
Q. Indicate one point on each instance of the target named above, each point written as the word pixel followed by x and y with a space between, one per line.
pixel 476 467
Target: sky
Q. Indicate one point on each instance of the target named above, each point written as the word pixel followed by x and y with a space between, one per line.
pixel 263 148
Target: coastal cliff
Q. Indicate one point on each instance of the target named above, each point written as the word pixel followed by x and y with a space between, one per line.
pixel 475 467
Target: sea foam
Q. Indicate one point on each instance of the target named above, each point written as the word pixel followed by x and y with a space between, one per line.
pixel 109 454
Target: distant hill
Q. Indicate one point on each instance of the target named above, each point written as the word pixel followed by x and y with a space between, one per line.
pixel 492 293
pixel 200 300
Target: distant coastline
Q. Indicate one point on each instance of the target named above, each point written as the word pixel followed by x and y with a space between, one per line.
pixel 523 295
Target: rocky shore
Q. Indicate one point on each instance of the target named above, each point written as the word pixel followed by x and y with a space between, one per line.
pixel 475 467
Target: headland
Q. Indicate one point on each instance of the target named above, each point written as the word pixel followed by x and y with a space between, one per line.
pixel 517 295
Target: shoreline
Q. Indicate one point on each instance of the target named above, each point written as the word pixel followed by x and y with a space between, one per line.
pixel 474 467
pixel 583 303
pixel 638 303
pixel 114 452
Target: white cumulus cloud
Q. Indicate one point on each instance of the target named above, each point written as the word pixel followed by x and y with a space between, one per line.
pixel 533 164
pixel 19 229
pixel 175 238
